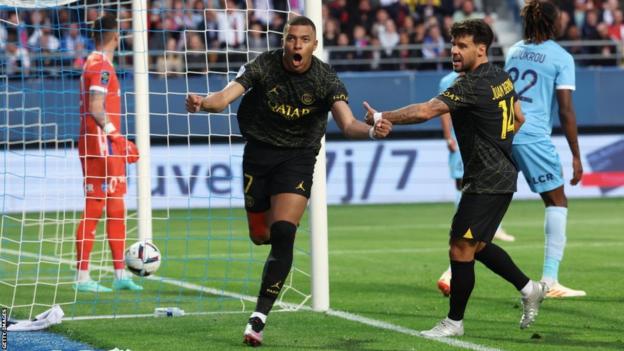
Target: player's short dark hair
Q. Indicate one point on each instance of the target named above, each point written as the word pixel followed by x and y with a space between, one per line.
pixel 103 27
pixel 300 21
pixel 477 28
pixel 540 21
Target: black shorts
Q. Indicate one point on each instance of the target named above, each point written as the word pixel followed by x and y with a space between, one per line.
pixel 269 170
pixel 479 215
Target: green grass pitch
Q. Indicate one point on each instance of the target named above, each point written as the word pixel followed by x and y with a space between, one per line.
pixel 384 262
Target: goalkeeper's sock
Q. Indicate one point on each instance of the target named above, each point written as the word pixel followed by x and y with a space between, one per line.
pixel 120 274
pixel 116 230
pixel 83 275
pixel 499 262
pixel 277 265
pixel 462 283
pixel 86 231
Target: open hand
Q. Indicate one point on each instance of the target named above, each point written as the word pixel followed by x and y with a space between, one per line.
pixel 124 147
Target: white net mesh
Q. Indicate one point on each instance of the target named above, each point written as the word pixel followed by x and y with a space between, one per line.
pixel 208 265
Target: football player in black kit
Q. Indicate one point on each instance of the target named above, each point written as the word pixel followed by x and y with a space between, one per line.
pixel 283 117
pixel 486 114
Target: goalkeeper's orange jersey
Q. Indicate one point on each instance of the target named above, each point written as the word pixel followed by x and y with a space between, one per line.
pixel 98 74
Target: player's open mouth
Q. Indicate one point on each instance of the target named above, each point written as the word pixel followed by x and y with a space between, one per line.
pixel 297 59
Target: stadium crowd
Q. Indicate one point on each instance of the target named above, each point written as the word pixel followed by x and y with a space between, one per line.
pixel 362 35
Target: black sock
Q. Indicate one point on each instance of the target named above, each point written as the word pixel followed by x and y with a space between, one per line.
pixel 499 262
pixel 277 265
pixel 462 283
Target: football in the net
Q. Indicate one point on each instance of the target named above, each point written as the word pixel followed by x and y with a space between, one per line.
pixel 142 258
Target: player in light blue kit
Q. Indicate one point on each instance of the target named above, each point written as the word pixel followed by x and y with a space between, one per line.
pixel 456 168
pixel 543 75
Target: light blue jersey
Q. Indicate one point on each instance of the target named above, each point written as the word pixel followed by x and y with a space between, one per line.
pixel 447 81
pixel 456 166
pixel 537 71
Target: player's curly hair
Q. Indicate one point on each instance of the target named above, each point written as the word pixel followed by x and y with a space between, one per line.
pixel 477 28
pixel 539 18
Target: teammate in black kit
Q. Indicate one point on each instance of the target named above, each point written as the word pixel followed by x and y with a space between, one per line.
pixel 486 114
pixel 283 118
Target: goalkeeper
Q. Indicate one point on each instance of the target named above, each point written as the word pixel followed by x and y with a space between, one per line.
pixel 283 117
pixel 104 153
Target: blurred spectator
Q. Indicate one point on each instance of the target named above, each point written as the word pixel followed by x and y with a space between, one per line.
pixel 231 24
pixel 564 23
pixel 579 14
pixel 393 7
pixel 616 30
pixel 363 16
pixel 17 60
pixel 467 12
pixel 262 11
pixel 47 41
pixel 608 11
pixel 158 37
pixel 196 60
pixel 575 43
pixel 339 11
pixel 340 55
pixel 429 8
pixel 381 17
pixel 211 29
pixel 405 54
pixel 197 14
pixel 72 38
pixel 590 31
pixel 434 47
pixel 330 32
pixel 80 56
pixel 258 40
pixel 447 23
pixel 276 28
pixel 389 39
pixel 171 62
pixel 376 54
pixel 496 52
pixel 361 42
pixel 17 29
pixel 606 51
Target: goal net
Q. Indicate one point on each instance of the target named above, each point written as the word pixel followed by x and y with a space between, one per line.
pixel 193 164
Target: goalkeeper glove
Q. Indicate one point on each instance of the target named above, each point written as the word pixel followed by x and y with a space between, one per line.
pixel 120 145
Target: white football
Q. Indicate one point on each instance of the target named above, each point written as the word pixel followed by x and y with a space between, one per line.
pixel 142 258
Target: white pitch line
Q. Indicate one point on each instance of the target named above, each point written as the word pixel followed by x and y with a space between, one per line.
pixel 288 306
pixel 399 329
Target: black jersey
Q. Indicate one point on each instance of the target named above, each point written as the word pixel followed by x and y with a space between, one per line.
pixel 482 109
pixel 287 109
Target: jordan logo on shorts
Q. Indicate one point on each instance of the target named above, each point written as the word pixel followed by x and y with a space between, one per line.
pixel 300 187
pixel 468 234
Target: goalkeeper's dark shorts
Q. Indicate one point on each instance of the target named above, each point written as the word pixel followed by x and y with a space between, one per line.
pixel 478 216
pixel 269 170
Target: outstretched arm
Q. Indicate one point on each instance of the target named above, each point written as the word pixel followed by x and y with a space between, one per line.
pixel 411 114
pixel 354 129
pixel 567 117
pixel 216 102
